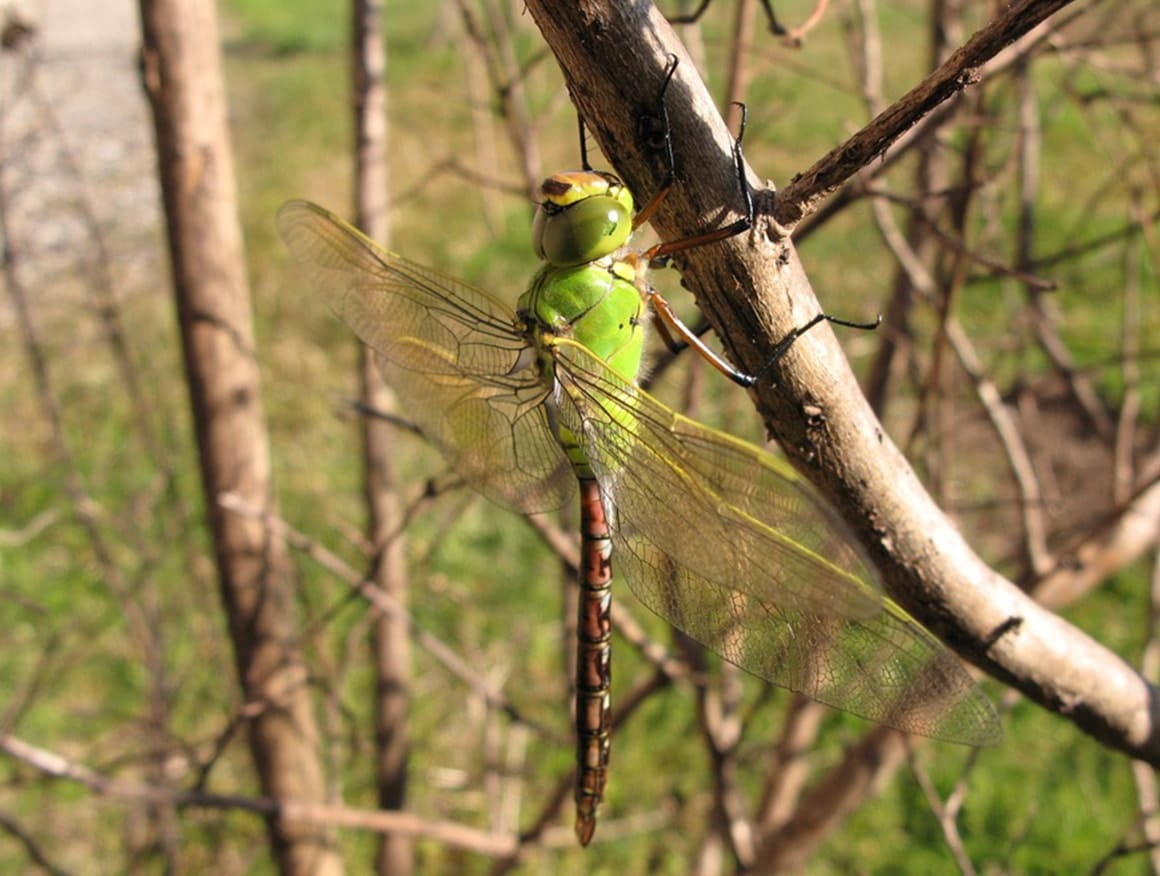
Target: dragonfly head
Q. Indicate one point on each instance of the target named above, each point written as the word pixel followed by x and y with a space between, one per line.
pixel 583 216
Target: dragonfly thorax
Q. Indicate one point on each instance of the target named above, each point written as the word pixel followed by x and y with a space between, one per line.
pixel 583 216
pixel 596 304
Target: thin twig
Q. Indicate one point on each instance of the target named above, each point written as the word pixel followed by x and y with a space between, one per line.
pixel 807 190
pixel 946 814
pixel 829 802
pixel 35 851
pixel 330 815
pixel 795 36
pixel 789 765
pixel 1114 542
pixel 1018 457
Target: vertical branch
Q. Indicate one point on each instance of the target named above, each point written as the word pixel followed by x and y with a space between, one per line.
pixel 829 802
pixel 514 100
pixel 930 174
pixel 949 268
pixel 141 603
pixel 482 126
pixel 43 152
pixel 946 813
pixel 390 641
pixel 506 79
pixel 1123 474
pixel 789 768
pixel 739 70
pixel 182 78
pixel 138 605
pixel 720 729
pixel 1030 145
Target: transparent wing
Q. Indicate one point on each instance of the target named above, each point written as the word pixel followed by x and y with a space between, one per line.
pixel 455 356
pixel 730 545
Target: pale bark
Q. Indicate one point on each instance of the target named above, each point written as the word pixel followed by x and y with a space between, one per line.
pixel 182 76
pixel 391 638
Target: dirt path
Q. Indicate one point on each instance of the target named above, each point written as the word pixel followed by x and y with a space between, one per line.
pixel 75 144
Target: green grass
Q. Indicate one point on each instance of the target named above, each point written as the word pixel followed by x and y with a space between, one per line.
pixel 1049 800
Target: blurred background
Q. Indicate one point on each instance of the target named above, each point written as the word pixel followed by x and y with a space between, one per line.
pixel 1018 368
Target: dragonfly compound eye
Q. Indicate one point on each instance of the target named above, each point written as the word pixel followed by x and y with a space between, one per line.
pixel 581 232
pixel 584 216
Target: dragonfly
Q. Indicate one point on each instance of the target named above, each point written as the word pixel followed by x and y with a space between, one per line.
pixel 720 538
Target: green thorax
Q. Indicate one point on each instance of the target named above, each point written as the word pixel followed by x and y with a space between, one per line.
pixel 596 304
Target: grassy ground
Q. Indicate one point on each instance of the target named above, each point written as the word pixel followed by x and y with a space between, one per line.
pixel 1048 800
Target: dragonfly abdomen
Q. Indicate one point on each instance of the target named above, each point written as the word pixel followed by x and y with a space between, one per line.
pixel 593 659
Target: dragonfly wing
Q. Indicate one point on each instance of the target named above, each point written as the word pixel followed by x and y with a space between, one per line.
pixel 730 545
pixel 885 667
pixel 455 356
pixel 726 510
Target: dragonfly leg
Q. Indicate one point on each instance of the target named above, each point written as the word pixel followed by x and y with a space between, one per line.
pixel 672 327
pixel 661 254
pixel 678 336
pixel 657 135
pixel 775 27
pixel 690 17
pixel 585 164
pixel 656 132
pixel 782 346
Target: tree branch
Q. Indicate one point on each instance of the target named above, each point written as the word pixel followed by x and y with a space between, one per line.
pixel 803 194
pixel 754 291
pixel 296 811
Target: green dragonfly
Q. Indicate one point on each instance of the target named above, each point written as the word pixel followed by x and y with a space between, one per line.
pixel 720 538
